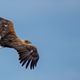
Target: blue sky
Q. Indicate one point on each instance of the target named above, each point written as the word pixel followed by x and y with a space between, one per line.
pixel 54 27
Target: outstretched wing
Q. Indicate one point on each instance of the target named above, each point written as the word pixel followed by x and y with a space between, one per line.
pixel 29 56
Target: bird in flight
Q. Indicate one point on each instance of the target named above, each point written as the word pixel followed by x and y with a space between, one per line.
pixel 28 54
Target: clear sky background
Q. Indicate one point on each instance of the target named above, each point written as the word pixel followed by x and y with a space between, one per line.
pixel 54 27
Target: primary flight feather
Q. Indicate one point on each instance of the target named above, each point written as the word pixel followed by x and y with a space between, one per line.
pixel 28 54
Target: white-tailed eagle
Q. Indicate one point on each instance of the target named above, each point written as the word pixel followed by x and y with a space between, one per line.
pixel 28 53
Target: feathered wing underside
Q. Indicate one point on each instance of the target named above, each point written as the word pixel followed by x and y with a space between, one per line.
pixel 28 54
pixel 29 57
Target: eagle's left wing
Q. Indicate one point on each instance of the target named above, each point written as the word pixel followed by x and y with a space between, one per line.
pixel 28 56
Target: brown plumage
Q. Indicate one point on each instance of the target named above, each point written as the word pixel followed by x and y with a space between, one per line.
pixel 28 53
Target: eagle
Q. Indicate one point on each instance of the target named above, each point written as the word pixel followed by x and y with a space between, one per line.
pixel 28 53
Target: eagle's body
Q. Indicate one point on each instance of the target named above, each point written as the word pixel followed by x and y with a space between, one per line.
pixel 28 53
